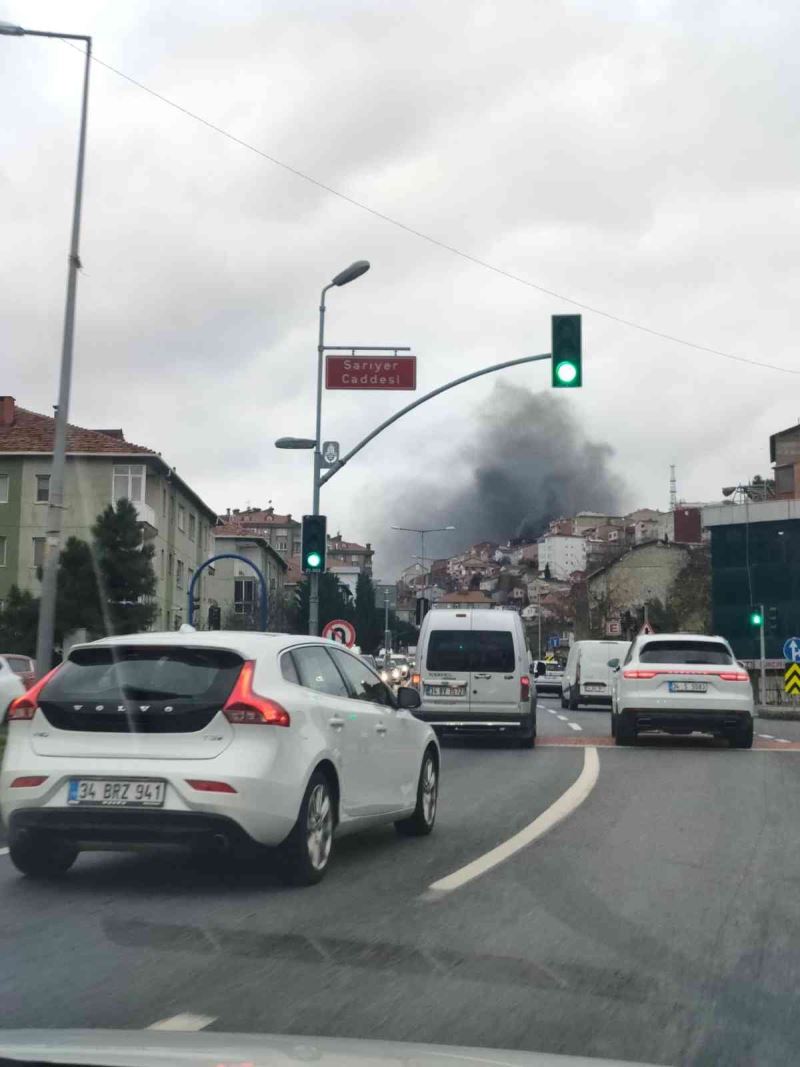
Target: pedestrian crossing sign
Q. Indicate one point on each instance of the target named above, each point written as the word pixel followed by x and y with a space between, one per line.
pixel 791 678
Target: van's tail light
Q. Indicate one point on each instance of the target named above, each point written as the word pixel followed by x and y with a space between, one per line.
pixel 734 676
pixel 24 707
pixel 632 673
pixel 524 688
pixel 246 706
pixel 416 680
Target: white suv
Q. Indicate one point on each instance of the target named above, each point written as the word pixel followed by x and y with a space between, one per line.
pixel 217 741
pixel 679 684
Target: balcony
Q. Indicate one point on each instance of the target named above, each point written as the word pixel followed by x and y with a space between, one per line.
pixel 147 520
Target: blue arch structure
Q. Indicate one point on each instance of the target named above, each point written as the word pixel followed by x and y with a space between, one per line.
pixel 242 559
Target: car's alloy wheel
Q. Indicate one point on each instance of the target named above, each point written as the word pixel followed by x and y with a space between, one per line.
pixel 421 822
pixel 319 827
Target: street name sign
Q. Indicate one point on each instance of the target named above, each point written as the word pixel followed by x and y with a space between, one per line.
pixel 341 631
pixel 371 372
pixel 791 650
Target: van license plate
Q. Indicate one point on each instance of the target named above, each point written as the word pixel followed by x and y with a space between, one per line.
pixel 688 687
pixel 445 690
pixel 116 792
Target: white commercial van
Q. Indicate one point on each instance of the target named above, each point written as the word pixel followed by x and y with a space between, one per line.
pixel 474 673
pixel 587 675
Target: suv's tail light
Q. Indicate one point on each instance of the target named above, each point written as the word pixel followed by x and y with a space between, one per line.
pixel 734 676
pixel 24 707
pixel 245 706
pixel 631 673
pixel 524 688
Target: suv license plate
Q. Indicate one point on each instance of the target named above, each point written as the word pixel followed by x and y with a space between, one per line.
pixel 116 792
pixel 445 690
pixel 688 687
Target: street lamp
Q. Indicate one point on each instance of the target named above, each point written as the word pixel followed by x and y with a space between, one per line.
pixel 55 506
pixel 416 530
pixel 349 274
pixel 295 442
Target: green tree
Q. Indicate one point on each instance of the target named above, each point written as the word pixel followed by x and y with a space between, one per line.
pixel 19 618
pixel 125 567
pixel 78 603
pixel 335 602
pixel 368 618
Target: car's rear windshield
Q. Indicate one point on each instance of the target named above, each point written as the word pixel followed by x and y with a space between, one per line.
pixel 684 652
pixel 197 675
pixel 18 664
pixel 470 650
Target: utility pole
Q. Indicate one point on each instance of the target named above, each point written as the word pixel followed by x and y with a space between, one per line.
pixel 387 633
pixel 539 618
pixel 763 664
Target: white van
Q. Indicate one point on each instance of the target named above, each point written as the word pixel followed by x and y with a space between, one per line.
pixel 474 673
pixel 587 675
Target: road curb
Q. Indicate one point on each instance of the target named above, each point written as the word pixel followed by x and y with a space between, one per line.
pixel 786 714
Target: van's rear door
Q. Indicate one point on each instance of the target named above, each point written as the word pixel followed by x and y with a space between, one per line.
pixel 495 688
pixel 445 674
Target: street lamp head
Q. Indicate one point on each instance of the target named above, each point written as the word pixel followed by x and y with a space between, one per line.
pixel 8 29
pixel 349 274
pixel 449 527
pixel 295 442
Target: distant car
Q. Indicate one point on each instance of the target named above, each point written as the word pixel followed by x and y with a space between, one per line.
pixel 23 666
pixel 12 681
pixel 587 677
pixel 549 677
pixel 681 684
pixel 218 741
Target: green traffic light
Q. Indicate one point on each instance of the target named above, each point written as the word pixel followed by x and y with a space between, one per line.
pixel 756 618
pixel 313 560
pixel 566 372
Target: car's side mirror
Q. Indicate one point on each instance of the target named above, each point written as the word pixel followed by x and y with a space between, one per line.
pixel 614 664
pixel 408 698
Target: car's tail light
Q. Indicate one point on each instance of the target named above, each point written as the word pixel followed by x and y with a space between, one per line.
pixel 24 707
pixel 207 786
pixel 631 673
pixel 734 676
pixel 246 706
pixel 28 781
pixel 524 688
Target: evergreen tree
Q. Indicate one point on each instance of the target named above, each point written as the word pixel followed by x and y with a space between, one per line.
pixel 335 602
pixel 125 565
pixel 19 618
pixel 368 617
pixel 78 603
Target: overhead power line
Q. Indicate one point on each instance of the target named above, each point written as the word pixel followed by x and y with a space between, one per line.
pixel 476 260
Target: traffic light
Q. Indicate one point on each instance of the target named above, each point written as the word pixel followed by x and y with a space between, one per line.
pixel 756 616
pixel 314 543
pixel 566 367
pixel 772 620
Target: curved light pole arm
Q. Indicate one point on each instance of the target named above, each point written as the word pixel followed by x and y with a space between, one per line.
pixel 242 559
pixel 428 396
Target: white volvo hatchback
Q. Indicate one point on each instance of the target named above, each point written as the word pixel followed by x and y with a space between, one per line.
pixel 681 684
pixel 216 741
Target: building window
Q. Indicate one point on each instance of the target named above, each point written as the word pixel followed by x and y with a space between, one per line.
pixel 38 551
pixel 296 547
pixel 244 596
pixel 181 517
pixel 3 543
pixel 4 480
pixel 192 526
pixel 162 565
pixel 164 502
pixel 179 574
pixel 129 483
pixel 282 545
pixel 169 566
pixel 42 488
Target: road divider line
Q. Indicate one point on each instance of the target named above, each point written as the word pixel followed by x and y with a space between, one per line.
pixel 574 726
pixel 563 718
pixel 184 1022
pixel 568 802
pixel 3 851
pixel 767 737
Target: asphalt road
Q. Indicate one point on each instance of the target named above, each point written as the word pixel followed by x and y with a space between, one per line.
pixel 659 922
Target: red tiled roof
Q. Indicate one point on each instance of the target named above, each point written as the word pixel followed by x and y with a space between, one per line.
pixel 255 517
pixel 469 596
pixel 350 546
pixel 31 432
pixel 230 530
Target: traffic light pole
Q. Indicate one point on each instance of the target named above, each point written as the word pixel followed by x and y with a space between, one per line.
pixel 313 587
pixel 763 659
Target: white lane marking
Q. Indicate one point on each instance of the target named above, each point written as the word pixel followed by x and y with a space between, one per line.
pixel 574 726
pixel 551 710
pixel 782 741
pixel 563 718
pixel 3 851
pixel 568 802
pixel 185 1021
pixel 767 737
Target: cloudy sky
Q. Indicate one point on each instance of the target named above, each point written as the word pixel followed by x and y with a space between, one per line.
pixel 639 158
